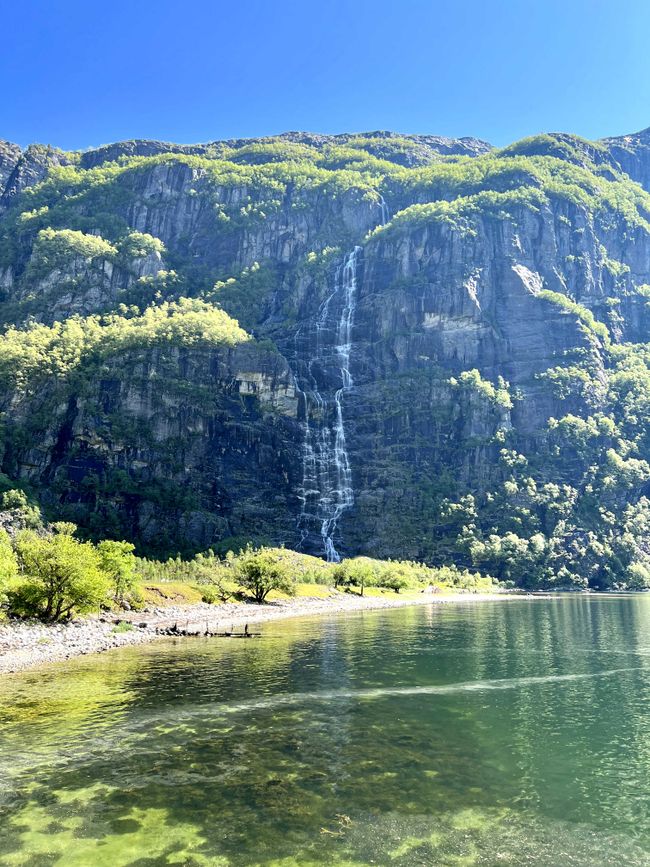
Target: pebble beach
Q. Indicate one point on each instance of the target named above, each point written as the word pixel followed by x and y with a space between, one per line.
pixel 29 644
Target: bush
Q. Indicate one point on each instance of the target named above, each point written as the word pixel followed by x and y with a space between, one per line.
pixel 8 565
pixel 357 572
pixel 60 576
pixel 120 628
pixel 260 570
pixel 117 561
pixel 210 595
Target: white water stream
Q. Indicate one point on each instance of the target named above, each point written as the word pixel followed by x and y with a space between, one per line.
pixel 326 491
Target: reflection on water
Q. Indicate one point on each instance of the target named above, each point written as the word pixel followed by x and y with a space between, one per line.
pixel 502 733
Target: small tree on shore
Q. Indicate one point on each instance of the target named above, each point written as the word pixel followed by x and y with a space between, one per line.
pixel 395 579
pixel 8 565
pixel 259 571
pixel 60 575
pixel 117 561
pixel 356 572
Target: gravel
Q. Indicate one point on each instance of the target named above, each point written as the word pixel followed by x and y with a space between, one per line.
pixel 26 644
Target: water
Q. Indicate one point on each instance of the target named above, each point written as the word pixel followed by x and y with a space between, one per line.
pixel 326 490
pixel 322 374
pixel 498 733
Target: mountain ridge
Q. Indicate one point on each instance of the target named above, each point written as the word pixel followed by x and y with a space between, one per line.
pixel 471 389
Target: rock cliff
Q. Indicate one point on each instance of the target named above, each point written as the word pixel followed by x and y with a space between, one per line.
pixel 444 358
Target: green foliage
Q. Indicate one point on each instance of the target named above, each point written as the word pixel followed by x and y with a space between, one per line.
pixel 29 355
pixel 499 184
pixel 138 245
pixel 118 563
pixel 459 212
pixel 212 574
pixel 357 572
pixel 8 565
pixel 585 316
pixel 259 571
pixel 59 576
pixel 259 153
pixel 243 297
pixel 573 513
pixel 17 502
pixel 399 575
pixel 471 380
pixel 121 628
pixel 615 268
pixel 571 148
pixel 56 249
pixel 541 516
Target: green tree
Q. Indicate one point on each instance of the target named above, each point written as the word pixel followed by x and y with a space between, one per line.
pixel 117 561
pixel 8 565
pixel 395 577
pixel 357 572
pixel 60 576
pixel 260 570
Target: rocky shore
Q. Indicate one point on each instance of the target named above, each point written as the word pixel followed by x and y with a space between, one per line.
pixel 28 644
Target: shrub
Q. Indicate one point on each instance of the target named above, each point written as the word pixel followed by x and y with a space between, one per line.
pixel 120 628
pixel 8 565
pixel 117 562
pixel 260 570
pixel 60 576
pixel 357 572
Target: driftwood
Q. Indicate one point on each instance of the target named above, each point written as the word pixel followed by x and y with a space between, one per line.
pixel 196 630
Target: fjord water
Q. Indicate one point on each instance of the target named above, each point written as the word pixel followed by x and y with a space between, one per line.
pixel 512 732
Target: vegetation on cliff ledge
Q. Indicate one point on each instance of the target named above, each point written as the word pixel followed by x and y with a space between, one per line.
pixel 114 266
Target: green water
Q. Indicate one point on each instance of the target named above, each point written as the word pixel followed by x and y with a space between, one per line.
pixel 499 733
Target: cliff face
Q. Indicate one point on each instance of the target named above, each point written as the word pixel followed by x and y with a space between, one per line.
pixel 425 315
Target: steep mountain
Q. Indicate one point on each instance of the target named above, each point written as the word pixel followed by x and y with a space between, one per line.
pixel 403 346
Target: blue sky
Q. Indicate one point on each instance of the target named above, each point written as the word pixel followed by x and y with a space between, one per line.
pixel 80 74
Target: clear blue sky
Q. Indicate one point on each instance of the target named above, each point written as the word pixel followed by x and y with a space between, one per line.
pixel 80 74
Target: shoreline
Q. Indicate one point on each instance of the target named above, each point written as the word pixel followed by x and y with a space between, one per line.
pixel 27 645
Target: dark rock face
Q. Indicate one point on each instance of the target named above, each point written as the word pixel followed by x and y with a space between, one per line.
pixel 9 156
pixel 27 169
pixel 632 154
pixel 177 449
pixel 348 400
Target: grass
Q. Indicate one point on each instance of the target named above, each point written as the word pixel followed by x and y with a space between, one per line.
pixel 304 591
pixel 181 593
pixel 170 593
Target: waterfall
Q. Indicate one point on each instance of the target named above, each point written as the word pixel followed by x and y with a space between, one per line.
pixel 322 351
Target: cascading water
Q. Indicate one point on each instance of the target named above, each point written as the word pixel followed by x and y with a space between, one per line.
pixel 323 377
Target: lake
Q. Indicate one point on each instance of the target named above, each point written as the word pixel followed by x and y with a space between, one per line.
pixel 513 732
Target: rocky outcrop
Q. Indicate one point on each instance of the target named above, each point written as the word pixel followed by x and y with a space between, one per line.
pixel 28 169
pixel 632 154
pixel 412 374
pixel 176 448
pixel 9 155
